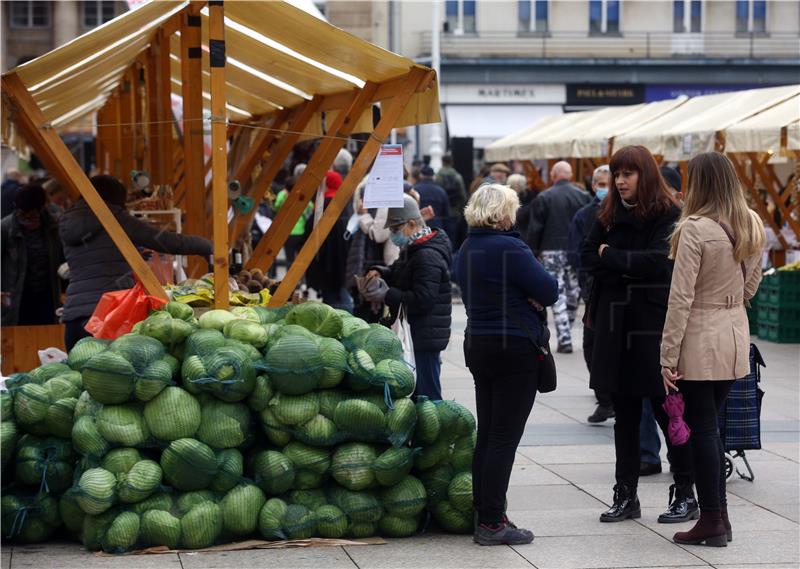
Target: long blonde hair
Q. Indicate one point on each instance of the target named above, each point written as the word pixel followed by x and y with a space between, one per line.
pixel 714 191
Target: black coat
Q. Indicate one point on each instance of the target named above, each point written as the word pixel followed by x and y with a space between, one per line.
pixel 327 270
pixel 550 215
pixel 420 280
pixel 628 302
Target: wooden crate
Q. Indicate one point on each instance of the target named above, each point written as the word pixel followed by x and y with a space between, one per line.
pixel 20 345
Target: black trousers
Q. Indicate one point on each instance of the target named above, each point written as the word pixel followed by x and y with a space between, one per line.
pixel 603 399
pixel 703 400
pixel 74 331
pixel 628 410
pixel 506 374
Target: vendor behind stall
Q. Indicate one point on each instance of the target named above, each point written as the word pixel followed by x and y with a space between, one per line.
pixel 31 254
pixel 95 264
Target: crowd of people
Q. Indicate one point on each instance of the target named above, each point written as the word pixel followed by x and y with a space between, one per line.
pixel 663 278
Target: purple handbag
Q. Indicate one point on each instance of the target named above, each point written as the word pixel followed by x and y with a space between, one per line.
pixel 678 431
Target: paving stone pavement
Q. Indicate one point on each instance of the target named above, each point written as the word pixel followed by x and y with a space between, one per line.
pixel 561 482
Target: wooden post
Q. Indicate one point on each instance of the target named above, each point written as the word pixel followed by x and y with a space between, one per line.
pixel 760 207
pixel 165 119
pixel 193 161
pixel 114 135
pixel 126 120
pixel 219 153
pixel 155 151
pixel 314 174
pixel 60 162
pixel 417 78
pixel 776 196
pixel 297 124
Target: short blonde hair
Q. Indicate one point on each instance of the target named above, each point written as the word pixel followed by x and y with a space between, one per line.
pixel 518 183
pixel 491 205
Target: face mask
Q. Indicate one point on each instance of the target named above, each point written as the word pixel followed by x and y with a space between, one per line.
pixel 399 239
pixel 601 193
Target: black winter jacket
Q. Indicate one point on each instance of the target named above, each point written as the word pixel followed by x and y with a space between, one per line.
pixel 95 264
pixel 551 213
pixel 432 194
pixel 628 302
pixel 420 280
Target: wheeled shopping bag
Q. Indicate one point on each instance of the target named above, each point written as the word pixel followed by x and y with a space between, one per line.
pixel 740 418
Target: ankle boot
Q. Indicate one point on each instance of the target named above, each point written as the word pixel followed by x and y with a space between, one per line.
pixel 723 510
pixel 682 505
pixel 626 505
pixel 709 530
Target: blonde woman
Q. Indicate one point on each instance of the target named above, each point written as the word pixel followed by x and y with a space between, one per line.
pixel 500 282
pixel 717 247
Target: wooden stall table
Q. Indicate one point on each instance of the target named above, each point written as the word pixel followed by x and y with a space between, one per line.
pixel 21 345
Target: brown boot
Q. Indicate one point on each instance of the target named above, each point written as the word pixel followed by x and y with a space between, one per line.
pixel 728 531
pixel 709 530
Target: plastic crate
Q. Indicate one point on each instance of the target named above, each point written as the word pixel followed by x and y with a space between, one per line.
pixel 779 315
pixel 780 289
pixel 783 333
pixel 753 318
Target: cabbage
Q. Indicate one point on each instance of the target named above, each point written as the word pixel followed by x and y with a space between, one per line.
pixel 361 530
pixel 158 501
pixel 83 350
pixel 173 414
pixel 334 357
pixel 459 492
pixel 397 375
pixel 294 364
pixel 396 526
pixel 46 463
pixel 189 500
pixel 311 464
pixel 436 481
pixel 262 394
pixel 393 465
pixel 160 528
pixel 179 310
pixel 311 499
pixel 169 331
pixel 331 522
pixel 8 440
pixel 109 378
pixel 240 509
pixel 400 422
pixel 433 454
pixel 277 434
pixel 71 514
pixel 299 522
pixel 139 482
pixel 47 371
pixel 317 318
pixel 189 464
pixel 246 331
pixel 95 528
pixel 122 534
pixel 360 507
pixel 28 519
pixel 329 399
pixel 428 426
pixel 452 520
pixel 318 431
pixel 203 342
pixel 361 419
pixel 227 373
pixel 122 425
pixel 463 451
pixel 270 519
pixel 246 313
pixel 224 425
pixel 215 319
pixel 201 526
pixel 378 341
pixel 86 406
pixel 352 324
pixel 87 439
pixel 294 409
pixel 407 498
pixel 274 472
pixel 352 466
pixel 121 460
pixel 96 491
pixel 230 470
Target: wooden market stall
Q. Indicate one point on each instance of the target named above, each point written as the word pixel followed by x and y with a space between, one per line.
pixel 257 76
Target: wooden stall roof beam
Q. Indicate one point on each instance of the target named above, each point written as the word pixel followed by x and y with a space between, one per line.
pixel 219 153
pixel 314 174
pixel 389 115
pixel 761 171
pixel 154 150
pixel 115 134
pixel 259 146
pixel 760 207
pixel 193 161
pixel 297 124
pixel 166 124
pixel 60 162
pixel 127 117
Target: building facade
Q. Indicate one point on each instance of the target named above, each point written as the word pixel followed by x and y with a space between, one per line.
pixel 513 61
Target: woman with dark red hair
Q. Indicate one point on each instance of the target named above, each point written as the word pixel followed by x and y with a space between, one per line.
pixel 627 254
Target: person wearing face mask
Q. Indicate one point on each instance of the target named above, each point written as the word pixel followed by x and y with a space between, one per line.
pixel 505 290
pixel 419 281
pixel 626 253
pixel 579 228
pixel 31 255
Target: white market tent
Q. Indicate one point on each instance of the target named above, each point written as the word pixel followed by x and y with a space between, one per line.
pixel 763 132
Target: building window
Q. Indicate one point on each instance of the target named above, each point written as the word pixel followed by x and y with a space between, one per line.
pixel 536 21
pixel 460 16
pixel 97 12
pixel 29 14
pixel 687 21
pixel 751 16
pixel 603 17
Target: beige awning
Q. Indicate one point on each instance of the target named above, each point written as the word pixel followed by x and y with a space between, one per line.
pixel 691 128
pixel 762 132
pixel 793 136
pixel 278 56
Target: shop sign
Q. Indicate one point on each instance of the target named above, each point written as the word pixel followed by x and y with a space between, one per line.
pixel 598 94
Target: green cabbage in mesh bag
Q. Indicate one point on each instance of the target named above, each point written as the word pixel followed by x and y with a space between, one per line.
pixel 299 522
pixel 6 406
pixel 83 351
pixel 122 534
pixel 71 513
pixel 189 464
pixel 95 528
pixel 352 324
pixel 407 498
pixel 270 519
pixel 463 451
pixel 201 526
pixel 8 441
pixel 359 507
pixel 173 414
pixel 433 454
pixel 277 433
pixel 436 481
pixel 459 492
pixel 331 522
pixel 224 425
pixel 311 499
pixel 428 425
pixel 273 472
pixel 230 464
pixel 47 371
pixel 319 431
pixel 189 500
pixel 334 357
pixel 352 466
pixel 294 409
pixel 396 526
pixel 329 399
pixel 240 509
pixel 451 519
pixel 86 406
pixel 361 419
pixel 121 460
pixel 28 518
pixel 86 438
pixel 122 425
pixel 215 319
pixel 45 463
pixel 393 465
pixel 246 331
pixel 262 394
pixel 316 317
pixel 109 378
pixel 179 310
pixel 47 408
pixel 169 331
pixel 138 483
pixel 227 373
pixel 96 491
pixel 362 370
pixel 160 500
pixel 361 530
pixel 455 419
pixel 378 341
pixel 397 376
pixel 203 342
pixel 311 464
pixel 400 422
pixel 294 364
pixel 160 528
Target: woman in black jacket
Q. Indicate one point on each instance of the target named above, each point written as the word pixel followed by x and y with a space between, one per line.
pixel 626 253
pixel 419 281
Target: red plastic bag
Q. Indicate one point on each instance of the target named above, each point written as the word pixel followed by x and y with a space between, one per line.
pixel 118 311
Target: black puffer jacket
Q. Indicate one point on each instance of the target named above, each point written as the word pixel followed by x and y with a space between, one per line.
pixel 95 264
pixel 420 280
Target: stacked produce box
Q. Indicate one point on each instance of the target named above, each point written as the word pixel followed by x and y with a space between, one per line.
pixel 186 433
pixel 779 305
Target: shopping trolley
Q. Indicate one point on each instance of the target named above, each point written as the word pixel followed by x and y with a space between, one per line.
pixel 740 418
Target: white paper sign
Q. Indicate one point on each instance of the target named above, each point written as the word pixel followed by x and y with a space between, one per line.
pixel 385 182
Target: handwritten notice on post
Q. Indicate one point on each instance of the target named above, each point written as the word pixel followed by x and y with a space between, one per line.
pixel 385 182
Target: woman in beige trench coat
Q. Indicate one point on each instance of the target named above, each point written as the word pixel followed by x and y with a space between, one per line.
pixel 717 246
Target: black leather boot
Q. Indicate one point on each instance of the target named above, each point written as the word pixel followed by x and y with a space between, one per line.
pixel 626 505
pixel 682 506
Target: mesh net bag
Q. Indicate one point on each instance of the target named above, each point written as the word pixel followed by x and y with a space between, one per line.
pixel 45 463
pixel 28 518
pixel 226 373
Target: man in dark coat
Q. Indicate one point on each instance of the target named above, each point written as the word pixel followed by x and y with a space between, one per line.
pixel 548 237
pixel 433 195
pixel 419 281
pixel 95 264
pixel 31 287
